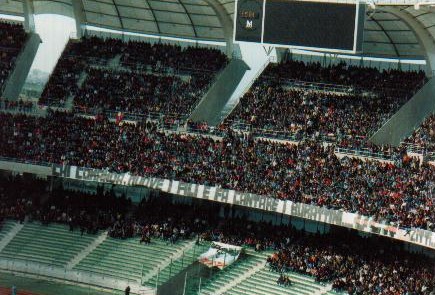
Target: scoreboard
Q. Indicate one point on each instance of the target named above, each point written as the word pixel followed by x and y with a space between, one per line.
pixel 321 26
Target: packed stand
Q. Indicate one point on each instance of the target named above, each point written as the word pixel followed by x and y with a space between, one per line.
pixel 88 212
pixel 424 136
pixel 13 105
pixel 19 197
pixel 277 106
pixel 158 57
pixel 353 264
pixel 12 39
pixel 63 82
pixel 146 78
pixel 359 78
pixel 26 198
pixel 356 265
pixel 140 93
pixel 76 57
pixel 157 218
pixel 305 113
pixel 306 173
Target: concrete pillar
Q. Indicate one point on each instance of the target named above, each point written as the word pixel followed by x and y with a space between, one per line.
pixel 29 12
pixel 227 24
pixel 281 54
pixel 79 16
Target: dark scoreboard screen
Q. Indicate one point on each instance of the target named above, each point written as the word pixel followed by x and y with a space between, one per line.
pixel 334 27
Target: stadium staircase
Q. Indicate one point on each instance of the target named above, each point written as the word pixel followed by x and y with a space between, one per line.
pixel 82 79
pixel 234 274
pixel 53 251
pixel 408 117
pixel 115 62
pixel 176 265
pixel 8 230
pixel 250 276
pixel 128 259
pixel 23 64
pixel 85 252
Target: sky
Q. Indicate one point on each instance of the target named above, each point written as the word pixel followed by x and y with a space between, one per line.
pixel 55 31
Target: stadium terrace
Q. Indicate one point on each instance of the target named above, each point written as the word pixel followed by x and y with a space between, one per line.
pixel 217 147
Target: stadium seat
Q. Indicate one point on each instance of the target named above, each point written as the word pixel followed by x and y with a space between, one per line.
pixel 5 228
pixel 52 245
pixel 128 259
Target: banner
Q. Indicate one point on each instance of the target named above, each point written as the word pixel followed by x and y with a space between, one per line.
pixel 220 255
pixel 315 213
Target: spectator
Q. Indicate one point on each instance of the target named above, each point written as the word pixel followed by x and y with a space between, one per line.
pixel 308 173
pixel 151 77
pixel 424 136
pixel 12 39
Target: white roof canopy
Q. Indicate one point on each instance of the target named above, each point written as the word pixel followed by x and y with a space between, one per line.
pixel 386 34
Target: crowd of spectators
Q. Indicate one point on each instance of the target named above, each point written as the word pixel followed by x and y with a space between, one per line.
pixel 155 217
pixel 311 113
pixel 353 264
pixel 149 78
pixel 25 198
pixel 307 173
pixel 140 93
pixel 63 82
pixel 12 39
pixel 258 235
pixel 359 77
pixel 424 136
pixel 19 197
pixel 88 212
pixel 137 54
pixel 12 35
pixel 20 105
pixel 275 105
pixel 356 265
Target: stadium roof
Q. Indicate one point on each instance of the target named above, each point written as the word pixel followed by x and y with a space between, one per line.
pixel 387 32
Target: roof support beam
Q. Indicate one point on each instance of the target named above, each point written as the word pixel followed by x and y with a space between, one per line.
pixel 226 22
pixel 154 15
pixel 388 36
pixel 29 12
pixel 119 15
pixel 190 18
pixel 424 38
pixel 79 16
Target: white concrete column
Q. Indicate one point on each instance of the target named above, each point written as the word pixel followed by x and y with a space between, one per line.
pixel 227 24
pixel 29 12
pixel 79 16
